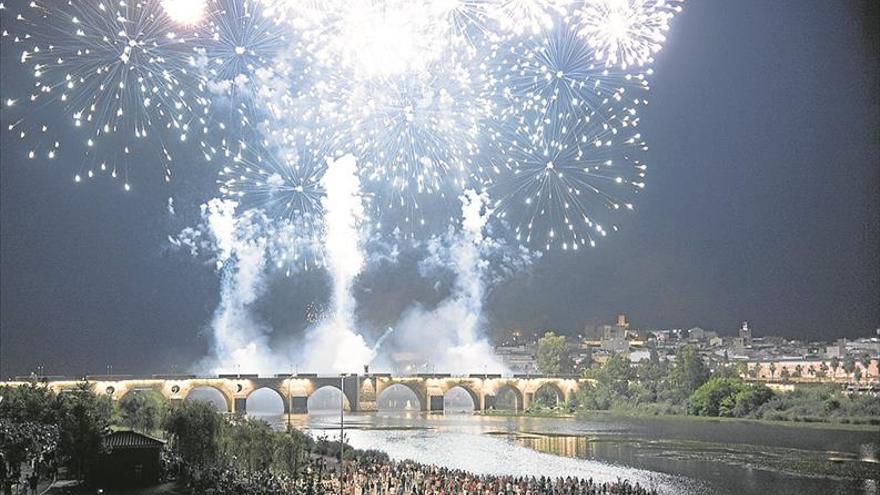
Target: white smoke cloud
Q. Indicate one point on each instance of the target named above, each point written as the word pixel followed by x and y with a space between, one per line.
pixel 245 248
pixel 333 344
pixel 450 337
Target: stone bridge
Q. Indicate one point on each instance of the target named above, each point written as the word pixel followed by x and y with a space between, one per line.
pixel 361 391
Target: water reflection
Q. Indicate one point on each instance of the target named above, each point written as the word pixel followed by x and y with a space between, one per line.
pixel 678 457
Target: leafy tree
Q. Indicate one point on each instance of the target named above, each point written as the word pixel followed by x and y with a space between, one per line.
pixel 727 397
pixel 553 356
pixel 143 410
pixel 249 444
pixel 27 403
pixel 291 452
pixel 835 363
pixel 857 375
pixel 798 371
pixel 715 397
pixel 849 364
pixel 195 430
pixel 688 373
pixel 785 375
pixel 753 370
pixel 83 421
pixel 772 370
pixel 546 396
pixel 652 375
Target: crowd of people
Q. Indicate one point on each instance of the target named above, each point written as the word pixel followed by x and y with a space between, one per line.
pixel 372 475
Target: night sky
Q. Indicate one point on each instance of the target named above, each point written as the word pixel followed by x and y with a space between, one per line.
pixel 763 204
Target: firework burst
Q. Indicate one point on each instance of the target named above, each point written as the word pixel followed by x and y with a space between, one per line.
pixel 536 101
pixel 119 73
pixel 626 32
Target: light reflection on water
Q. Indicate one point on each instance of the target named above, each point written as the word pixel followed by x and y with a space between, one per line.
pixel 677 457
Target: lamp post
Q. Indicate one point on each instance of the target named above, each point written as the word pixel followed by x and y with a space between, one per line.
pixel 341 429
pixel 289 407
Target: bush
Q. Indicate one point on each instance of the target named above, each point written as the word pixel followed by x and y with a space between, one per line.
pixel 727 397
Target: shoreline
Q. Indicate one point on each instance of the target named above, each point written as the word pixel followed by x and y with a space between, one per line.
pixel 603 414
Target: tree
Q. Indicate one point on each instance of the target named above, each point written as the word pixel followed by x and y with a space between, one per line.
pixel 195 429
pixel 727 397
pixel 772 370
pixel 857 375
pixel 83 421
pixel 823 370
pixel 143 410
pixel 835 363
pixel 865 359
pixel 688 373
pixel 553 356
pixel 249 444
pixel 798 371
pixel 753 370
pixel 849 364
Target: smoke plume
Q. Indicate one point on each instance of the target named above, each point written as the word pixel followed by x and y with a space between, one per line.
pixel 450 337
pixel 334 345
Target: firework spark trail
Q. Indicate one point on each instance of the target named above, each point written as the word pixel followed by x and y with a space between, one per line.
pixel 423 93
pixel 334 345
pixel 451 336
pixel 121 75
pixel 535 103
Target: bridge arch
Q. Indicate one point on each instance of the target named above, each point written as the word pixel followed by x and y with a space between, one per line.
pixel 265 395
pixel 416 400
pixel 474 397
pixel 548 394
pixel 186 395
pixel 325 398
pixel 508 393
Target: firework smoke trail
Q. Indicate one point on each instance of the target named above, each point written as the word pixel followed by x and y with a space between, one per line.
pixel 334 345
pixel 238 339
pixel 450 337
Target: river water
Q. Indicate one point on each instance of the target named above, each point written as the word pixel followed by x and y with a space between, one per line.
pixel 677 456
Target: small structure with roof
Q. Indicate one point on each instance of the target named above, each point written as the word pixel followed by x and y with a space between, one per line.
pixel 131 459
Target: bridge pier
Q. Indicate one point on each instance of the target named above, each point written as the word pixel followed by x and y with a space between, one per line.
pixel 300 405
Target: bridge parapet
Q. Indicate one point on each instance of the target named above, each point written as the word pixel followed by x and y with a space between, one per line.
pixel 361 392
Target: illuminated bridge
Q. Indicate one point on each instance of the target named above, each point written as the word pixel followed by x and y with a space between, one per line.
pixel 360 391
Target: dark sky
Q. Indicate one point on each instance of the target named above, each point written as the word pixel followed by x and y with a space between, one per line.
pixel 762 205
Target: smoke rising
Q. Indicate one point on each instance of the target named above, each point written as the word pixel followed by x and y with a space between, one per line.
pixel 450 337
pixel 334 345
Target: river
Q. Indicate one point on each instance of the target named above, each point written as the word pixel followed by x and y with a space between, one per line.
pixel 678 456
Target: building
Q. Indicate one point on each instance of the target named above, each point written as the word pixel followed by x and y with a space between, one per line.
pixel 520 358
pixel 837 350
pixel 130 459
pixel 745 333
pixel 812 370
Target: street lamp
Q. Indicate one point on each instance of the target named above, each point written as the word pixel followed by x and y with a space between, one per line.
pixel 341 429
pixel 289 407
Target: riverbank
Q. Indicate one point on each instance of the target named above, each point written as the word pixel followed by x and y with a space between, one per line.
pixel 603 414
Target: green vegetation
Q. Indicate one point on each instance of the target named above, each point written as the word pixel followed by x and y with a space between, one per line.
pixel 553 357
pixel 143 411
pixel 64 429
pixel 728 397
pixel 204 438
pixel 686 386
pixel 68 430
